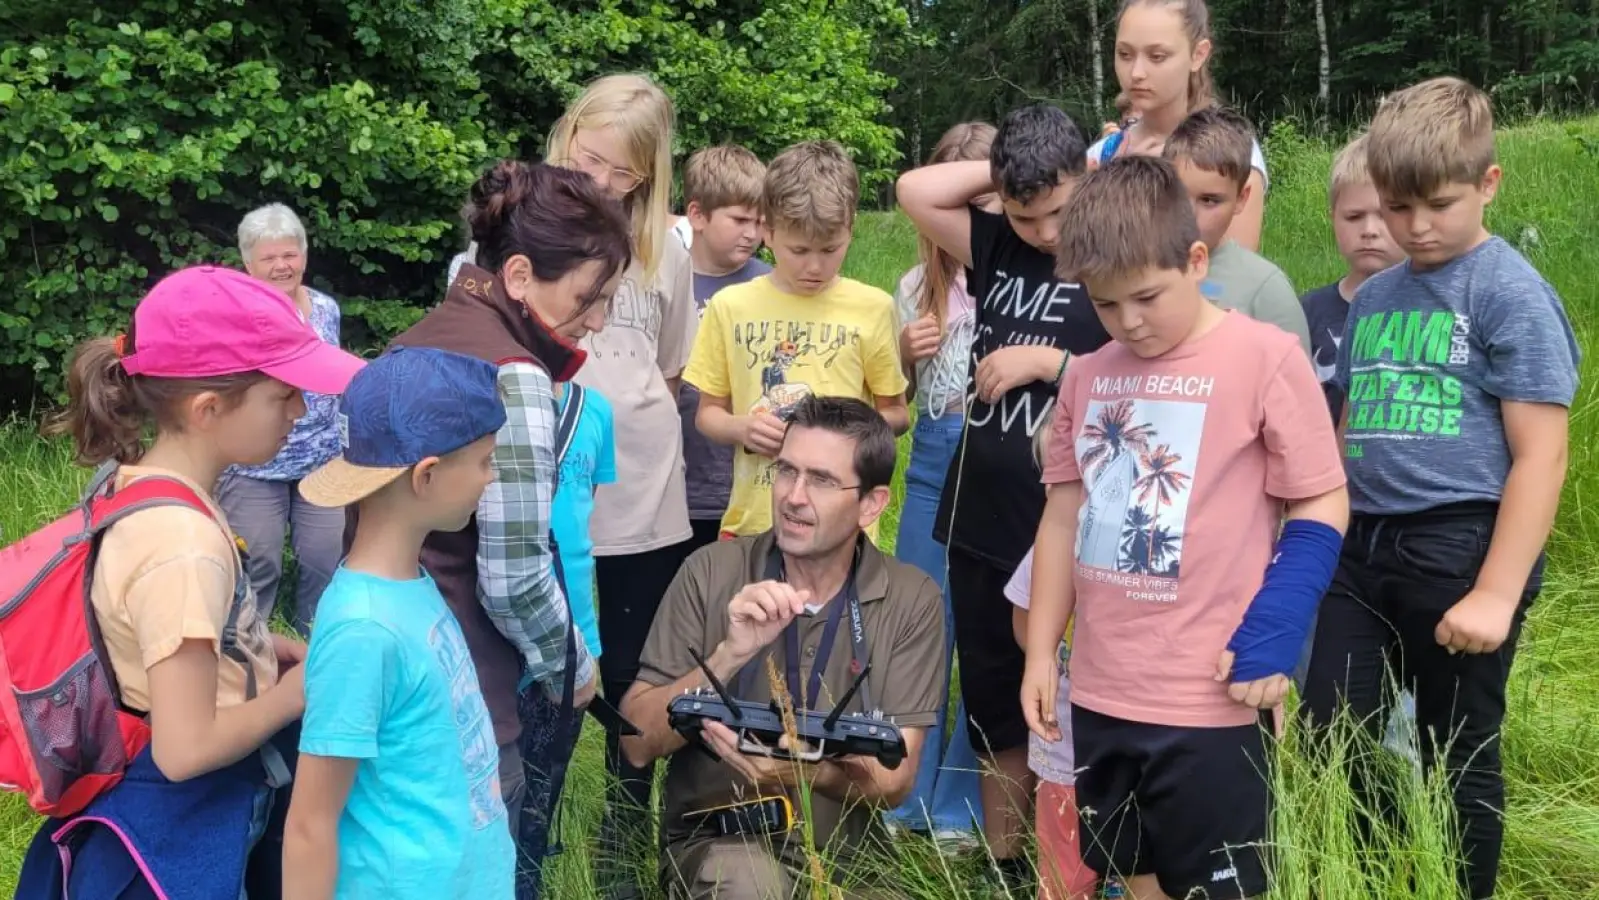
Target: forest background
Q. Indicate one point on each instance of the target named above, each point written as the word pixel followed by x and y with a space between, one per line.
pixel 133 135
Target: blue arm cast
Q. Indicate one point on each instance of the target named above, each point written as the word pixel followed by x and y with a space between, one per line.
pixel 1272 635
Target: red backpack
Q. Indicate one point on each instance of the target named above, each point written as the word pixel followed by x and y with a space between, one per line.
pixel 65 737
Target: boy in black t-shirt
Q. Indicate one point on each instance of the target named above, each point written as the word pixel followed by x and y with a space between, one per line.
pixel 1027 322
pixel 1367 248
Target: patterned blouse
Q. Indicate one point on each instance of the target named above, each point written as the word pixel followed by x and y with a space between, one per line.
pixel 315 438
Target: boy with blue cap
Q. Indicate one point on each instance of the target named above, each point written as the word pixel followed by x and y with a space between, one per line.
pixel 397 793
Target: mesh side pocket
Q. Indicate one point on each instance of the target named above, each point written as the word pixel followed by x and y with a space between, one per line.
pixel 71 728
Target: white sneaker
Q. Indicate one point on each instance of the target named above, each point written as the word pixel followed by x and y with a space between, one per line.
pixel 955 841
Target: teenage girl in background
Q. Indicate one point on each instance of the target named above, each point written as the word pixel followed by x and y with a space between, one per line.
pixel 1163 54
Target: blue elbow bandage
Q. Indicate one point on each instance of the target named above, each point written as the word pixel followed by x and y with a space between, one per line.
pixel 1272 635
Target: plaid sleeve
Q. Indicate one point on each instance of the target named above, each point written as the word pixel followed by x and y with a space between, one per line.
pixel 516 573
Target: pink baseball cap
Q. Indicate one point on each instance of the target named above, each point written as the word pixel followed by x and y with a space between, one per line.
pixel 206 321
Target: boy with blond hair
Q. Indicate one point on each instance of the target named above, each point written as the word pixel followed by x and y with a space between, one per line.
pixel 1459 370
pixel 801 330
pixel 1367 248
pixel 1195 509
pixel 1212 150
pixel 722 187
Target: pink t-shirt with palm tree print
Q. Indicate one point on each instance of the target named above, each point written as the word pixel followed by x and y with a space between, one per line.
pixel 1186 460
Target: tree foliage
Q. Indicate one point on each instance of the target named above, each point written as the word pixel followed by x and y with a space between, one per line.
pixel 982 57
pixel 134 135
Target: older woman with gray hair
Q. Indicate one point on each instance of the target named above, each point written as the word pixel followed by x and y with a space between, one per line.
pixel 263 502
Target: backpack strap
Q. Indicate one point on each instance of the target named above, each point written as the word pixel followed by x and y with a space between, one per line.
pixel 148 493
pixel 1107 151
pixel 571 411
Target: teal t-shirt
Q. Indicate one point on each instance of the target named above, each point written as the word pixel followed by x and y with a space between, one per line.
pixel 589 461
pixel 389 682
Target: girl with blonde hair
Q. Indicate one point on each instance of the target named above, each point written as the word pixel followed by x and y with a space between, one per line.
pixel 619 132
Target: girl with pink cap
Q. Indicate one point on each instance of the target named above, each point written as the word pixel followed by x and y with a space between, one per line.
pixel 215 361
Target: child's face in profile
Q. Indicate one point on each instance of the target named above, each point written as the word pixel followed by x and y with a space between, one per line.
pixel 251 430
pixel 806 264
pixel 1436 229
pixel 1037 221
pixel 1152 310
pixel 730 234
pixel 450 488
pixel 1216 198
pixel 1361 233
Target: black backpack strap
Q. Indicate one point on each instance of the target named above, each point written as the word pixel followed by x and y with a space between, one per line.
pixel 566 427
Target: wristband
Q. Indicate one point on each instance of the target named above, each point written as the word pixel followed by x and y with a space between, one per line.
pixel 1061 372
pixel 1271 638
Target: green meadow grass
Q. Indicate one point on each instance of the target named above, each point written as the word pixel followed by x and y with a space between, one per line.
pixel 1549 206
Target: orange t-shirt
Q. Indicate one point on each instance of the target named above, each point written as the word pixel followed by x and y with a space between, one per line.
pixel 163 576
pixel 1185 460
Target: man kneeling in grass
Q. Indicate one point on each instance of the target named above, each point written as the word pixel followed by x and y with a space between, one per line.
pixel 781 596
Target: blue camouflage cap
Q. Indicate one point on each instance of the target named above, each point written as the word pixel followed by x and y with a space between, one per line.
pixel 407 405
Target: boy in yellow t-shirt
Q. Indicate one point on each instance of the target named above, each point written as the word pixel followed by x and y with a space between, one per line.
pixel 768 343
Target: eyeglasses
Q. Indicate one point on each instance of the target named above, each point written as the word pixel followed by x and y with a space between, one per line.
pixel 785 476
pixel 624 180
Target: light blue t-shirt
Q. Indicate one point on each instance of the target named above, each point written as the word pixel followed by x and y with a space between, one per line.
pixel 590 461
pixel 1427 359
pixel 389 682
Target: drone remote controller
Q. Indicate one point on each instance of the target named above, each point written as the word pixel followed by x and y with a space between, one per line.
pixel 759 726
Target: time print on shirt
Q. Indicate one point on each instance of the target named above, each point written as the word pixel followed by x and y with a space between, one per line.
pixel 1011 317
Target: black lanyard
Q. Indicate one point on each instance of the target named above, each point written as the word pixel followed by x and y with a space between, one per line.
pixel 824 652
pixel 857 630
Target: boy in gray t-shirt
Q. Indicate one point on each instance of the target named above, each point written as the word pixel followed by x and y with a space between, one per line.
pixel 1459 368
pixel 722 190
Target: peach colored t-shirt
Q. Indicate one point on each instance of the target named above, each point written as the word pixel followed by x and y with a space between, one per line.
pixel 166 575
pixel 1185 462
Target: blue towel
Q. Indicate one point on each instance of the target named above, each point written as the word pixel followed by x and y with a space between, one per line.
pixel 154 839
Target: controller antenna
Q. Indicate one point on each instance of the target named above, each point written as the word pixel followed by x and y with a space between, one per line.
pixel 838 711
pixel 721 692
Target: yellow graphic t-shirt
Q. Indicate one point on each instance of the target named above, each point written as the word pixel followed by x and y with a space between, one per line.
pixel 766 349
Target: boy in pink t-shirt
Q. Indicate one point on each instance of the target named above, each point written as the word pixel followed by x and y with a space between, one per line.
pixel 1177 454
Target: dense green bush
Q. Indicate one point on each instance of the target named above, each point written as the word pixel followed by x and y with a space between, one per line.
pixel 134 135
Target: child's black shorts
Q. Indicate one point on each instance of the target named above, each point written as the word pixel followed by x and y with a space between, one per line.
pixel 990 661
pixel 1187 805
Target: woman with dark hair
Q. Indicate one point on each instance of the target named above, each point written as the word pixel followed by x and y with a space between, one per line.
pixel 551 249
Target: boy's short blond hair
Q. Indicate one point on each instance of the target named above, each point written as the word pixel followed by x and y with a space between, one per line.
pixel 1349 169
pixel 1128 215
pixel 812 188
pixel 1215 139
pixel 722 176
pixel 1429 135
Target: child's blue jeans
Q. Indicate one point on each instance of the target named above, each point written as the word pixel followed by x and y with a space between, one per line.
pixel 945 795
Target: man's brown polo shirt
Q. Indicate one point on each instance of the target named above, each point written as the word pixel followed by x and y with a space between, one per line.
pixel 902 613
